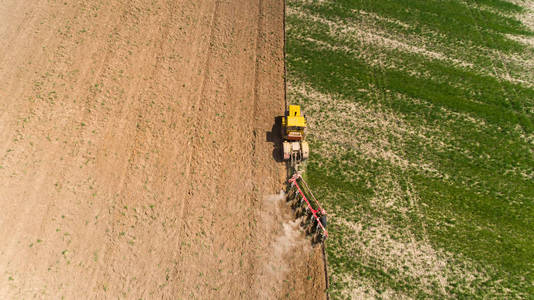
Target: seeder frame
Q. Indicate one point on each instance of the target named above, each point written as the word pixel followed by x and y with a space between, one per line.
pixel 293 182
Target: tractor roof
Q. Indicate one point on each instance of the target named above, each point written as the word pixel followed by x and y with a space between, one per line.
pixel 294 110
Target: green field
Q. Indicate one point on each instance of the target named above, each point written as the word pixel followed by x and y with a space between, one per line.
pixel 422 136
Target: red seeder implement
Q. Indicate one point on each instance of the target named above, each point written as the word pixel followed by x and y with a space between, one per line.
pixel 315 216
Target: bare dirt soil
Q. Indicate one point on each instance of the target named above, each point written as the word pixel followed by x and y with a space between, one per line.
pixel 134 158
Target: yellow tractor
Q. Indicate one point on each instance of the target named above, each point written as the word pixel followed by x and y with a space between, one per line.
pixel 295 148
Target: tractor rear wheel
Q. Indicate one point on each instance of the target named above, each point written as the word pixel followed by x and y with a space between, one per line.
pixel 305 150
pixel 286 147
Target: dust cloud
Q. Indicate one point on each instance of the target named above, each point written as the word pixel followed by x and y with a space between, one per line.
pixel 285 238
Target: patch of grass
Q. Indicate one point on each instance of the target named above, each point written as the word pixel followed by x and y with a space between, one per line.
pixel 424 164
pixel 478 95
pixel 455 20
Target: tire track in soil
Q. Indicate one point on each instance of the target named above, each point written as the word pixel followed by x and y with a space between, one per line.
pixel 195 146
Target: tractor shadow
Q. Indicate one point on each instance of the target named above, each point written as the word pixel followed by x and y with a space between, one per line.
pixel 275 136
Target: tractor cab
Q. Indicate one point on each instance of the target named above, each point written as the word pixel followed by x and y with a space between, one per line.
pixel 293 124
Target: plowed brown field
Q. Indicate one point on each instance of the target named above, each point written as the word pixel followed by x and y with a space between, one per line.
pixel 134 159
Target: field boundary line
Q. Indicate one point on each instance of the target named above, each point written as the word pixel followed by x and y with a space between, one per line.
pixel 323 245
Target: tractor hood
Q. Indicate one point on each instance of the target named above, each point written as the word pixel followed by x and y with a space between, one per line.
pixel 296 122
